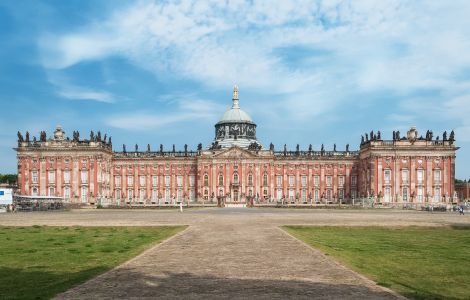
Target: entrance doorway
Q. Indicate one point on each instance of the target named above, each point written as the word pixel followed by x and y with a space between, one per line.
pixel 235 195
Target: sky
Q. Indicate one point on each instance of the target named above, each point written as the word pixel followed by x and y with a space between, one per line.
pixel 309 72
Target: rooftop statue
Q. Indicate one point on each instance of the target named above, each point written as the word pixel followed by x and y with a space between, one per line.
pixel 123 148
pixel 334 147
pixel 136 148
pixel 199 147
pixel 347 147
pixel 27 137
pixel 20 137
pixel 148 147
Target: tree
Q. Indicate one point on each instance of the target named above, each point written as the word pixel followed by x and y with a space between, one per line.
pixel 8 178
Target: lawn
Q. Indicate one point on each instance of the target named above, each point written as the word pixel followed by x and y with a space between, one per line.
pixel 418 262
pixel 39 262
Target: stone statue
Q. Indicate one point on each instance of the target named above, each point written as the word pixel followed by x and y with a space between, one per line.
pixel 104 139
pixel 322 148
pixel 34 139
pixel 92 136
pixel 379 135
pixel 271 147
pixel 430 135
pixel 27 137
pixel 297 149
pixel 437 138
pixel 110 142
pixel 371 135
pixel 199 147
pixel 451 136
pixel 367 138
pixel 148 147
pixel 123 148
pixel 285 149
pixel 310 148
pixel 347 147
pixel 20 137
pixel 394 137
pixel 98 136
pixel 398 135
pixel 362 140
pixel 161 149
pixel 334 147
pixel 174 149
pixel 42 136
pixel 444 136
pixel 186 149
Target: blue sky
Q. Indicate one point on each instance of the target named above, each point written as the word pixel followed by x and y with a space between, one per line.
pixel 162 72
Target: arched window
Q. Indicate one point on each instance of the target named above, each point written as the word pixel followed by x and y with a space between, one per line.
pixel 235 178
pixel 265 179
pixel 206 180
pixel 250 179
pixel 221 180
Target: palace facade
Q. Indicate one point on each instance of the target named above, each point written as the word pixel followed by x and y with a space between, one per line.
pixel 237 169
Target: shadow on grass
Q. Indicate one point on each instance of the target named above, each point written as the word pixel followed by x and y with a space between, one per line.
pixel 35 283
pixel 460 226
pixel 126 283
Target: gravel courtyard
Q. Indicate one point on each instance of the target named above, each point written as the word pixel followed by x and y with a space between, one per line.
pixel 232 253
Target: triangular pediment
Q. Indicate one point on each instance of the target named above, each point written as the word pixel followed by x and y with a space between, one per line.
pixel 234 152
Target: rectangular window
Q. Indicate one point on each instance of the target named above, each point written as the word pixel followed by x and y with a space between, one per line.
pixel 167 195
pixel 66 177
pixel 316 180
pixel 437 194
pixel 142 194
pixel 291 180
pixel 130 195
pixel 387 176
pixel 404 176
pixel 278 194
pixel 192 194
pixel 304 181
pixel 66 192
pixel 387 194
pixel 291 195
pixel 179 180
pixel 192 180
pixel 35 176
pixel 328 180
pixel 130 180
pixel 279 180
pixel 341 194
pixel 328 194
pixel 51 177
pixel 142 180
pixel 84 176
pixel 154 181
pixel 420 194
pixel 117 180
pixel 341 181
pixel 353 194
pixel 437 176
pixel 118 194
pixel 84 194
pixel 51 191
pixel 420 176
pixel 354 180
pixel 304 195
pixel 167 180
pixel 405 194
pixel 154 195
pixel 179 195
pixel 317 195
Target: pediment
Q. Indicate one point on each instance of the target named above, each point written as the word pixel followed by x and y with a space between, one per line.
pixel 235 152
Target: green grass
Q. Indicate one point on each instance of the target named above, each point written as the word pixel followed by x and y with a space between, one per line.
pixel 418 262
pixel 39 262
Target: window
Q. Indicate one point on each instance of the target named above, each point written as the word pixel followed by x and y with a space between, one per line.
pixel 328 194
pixel 117 180
pixel 437 176
pixel 316 194
pixel 291 195
pixel 437 194
pixel 51 176
pixel 221 180
pixel 179 180
pixel 154 181
pixel 420 194
pixel 84 194
pixel 192 180
pixel 66 192
pixel 192 194
pixel 154 195
pixel 341 180
pixel 387 176
pixel 265 179
pixel 66 177
pixel 179 195
pixel 316 180
pixel 354 180
pixel 353 193
pixel 235 178
pixel 130 180
pixel 142 194
pixel 35 176
pixel 279 180
pixel 328 180
pixel 167 195
pixel 118 194
pixel 206 180
pixel 387 194
pixel 278 194
pixel 291 180
pixel 341 194
pixel 130 195
pixel 404 176
pixel 35 191
pixel 405 194
pixel 51 191
pixel 420 176
pixel 142 180
pixel 250 179
pixel 84 176
pixel 167 180
pixel 303 181
pixel 304 195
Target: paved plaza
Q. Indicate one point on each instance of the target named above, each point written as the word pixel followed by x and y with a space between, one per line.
pixel 232 253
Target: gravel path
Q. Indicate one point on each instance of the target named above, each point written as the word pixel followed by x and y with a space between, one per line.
pixel 231 254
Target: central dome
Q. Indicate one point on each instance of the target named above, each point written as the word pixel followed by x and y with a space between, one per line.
pixel 235 128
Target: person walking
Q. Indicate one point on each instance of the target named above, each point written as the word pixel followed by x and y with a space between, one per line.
pixel 461 212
